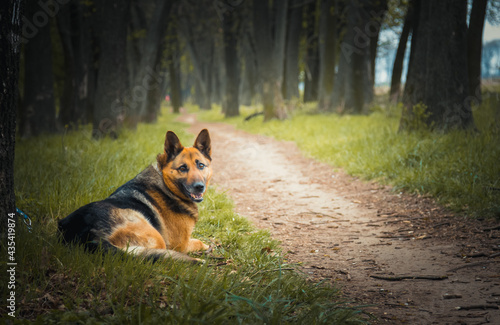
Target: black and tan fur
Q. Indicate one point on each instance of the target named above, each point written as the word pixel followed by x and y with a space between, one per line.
pixel 153 214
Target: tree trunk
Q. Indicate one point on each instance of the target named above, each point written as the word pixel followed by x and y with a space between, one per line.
pixel 270 46
pixel 174 68
pixel 39 110
pixel 264 52
pixel 200 39
pixel 153 85
pixel 10 24
pixel 354 81
pixel 474 47
pixel 231 30
pixel 76 42
pixel 377 11
pixel 149 78
pixel 207 77
pixel 92 76
pixel 112 78
pixel 311 72
pixel 327 47
pixel 138 27
pixel 248 87
pixel 397 69
pixel 218 72
pixel 437 74
pixel 175 85
pixel 201 68
pixel 291 74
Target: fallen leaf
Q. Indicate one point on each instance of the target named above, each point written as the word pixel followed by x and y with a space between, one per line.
pixel 266 250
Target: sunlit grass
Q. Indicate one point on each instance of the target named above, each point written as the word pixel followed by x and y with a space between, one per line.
pixel 460 169
pixel 58 284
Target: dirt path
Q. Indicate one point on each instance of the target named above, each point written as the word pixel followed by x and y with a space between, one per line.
pixel 346 231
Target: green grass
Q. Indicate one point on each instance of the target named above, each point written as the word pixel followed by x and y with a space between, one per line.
pixel 58 284
pixel 461 170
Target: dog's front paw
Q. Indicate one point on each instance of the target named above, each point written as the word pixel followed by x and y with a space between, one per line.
pixel 206 248
pixel 197 245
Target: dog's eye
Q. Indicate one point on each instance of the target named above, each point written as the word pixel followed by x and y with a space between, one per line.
pixel 183 169
pixel 201 166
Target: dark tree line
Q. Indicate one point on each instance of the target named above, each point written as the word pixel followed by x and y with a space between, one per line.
pixel 114 56
pixel 331 46
pixel 121 58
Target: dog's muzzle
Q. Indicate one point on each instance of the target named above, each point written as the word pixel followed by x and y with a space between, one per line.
pixel 196 191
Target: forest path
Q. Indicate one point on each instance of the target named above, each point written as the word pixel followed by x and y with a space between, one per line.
pixel 346 231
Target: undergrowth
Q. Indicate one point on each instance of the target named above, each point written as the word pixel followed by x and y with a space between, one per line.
pixel 57 284
pixel 461 169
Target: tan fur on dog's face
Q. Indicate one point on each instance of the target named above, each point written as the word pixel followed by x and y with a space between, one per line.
pixel 187 171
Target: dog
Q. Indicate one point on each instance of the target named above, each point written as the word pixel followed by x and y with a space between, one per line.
pixel 152 215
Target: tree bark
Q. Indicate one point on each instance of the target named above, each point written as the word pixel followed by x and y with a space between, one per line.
pixel 10 24
pixel 231 29
pixel 377 11
pixel 311 72
pixel 174 68
pixel 149 77
pixel 294 28
pixel 200 37
pixel 475 46
pixel 138 27
pixel 74 31
pixel 39 110
pixel 248 87
pixel 327 50
pixel 175 84
pixel 354 81
pixel 153 83
pixel 112 78
pixel 218 73
pixel 437 74
pixel 397 69
pixel 270 45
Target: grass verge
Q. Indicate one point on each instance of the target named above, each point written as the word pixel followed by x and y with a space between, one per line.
pixel 54 283
pixel 460 169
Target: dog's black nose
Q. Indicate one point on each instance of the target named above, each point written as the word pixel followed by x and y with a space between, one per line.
pixel 199 187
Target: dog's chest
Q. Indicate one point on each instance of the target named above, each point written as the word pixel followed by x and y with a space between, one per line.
pixel 177 231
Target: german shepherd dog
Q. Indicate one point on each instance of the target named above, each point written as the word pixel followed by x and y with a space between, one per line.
pixel 152 215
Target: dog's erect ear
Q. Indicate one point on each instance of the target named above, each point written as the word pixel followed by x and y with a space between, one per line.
pixel 173 145
pixel 202 143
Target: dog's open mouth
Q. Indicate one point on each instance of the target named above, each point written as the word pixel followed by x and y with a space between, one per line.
pixel 196 197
